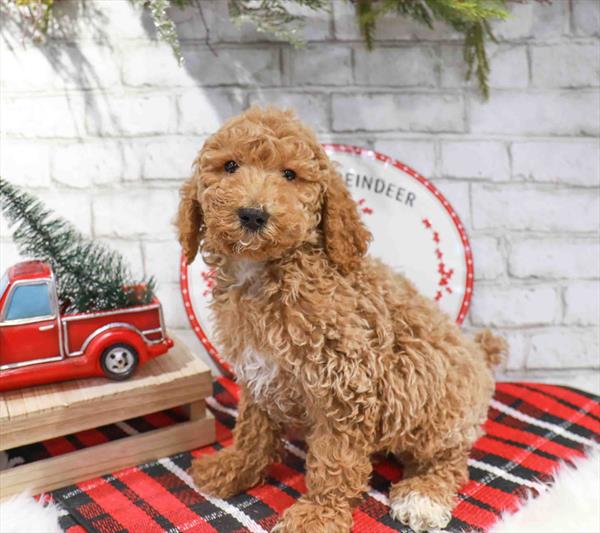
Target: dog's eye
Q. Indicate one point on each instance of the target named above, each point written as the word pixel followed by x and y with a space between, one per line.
pixel 289 174
pixel 231 167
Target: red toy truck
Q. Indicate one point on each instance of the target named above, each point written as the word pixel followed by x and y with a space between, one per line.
pixel 39 345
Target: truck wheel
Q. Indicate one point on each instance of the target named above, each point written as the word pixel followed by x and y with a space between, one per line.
pixel 119 361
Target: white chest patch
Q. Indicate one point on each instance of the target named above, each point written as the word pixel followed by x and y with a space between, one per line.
pixel 256 372
pixel 246 270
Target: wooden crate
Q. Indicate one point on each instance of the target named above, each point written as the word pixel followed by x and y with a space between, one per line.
pixel 34 414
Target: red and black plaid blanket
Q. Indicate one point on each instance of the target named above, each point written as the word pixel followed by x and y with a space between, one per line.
pixel 531 428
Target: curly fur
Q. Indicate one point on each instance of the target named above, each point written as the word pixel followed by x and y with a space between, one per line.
pixel 326 339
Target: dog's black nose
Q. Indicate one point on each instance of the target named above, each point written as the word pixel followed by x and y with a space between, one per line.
pixel 252 219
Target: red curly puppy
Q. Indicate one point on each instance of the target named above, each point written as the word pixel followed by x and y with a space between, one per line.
pixel 324 338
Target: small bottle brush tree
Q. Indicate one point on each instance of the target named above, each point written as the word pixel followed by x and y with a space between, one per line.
pixel 89 276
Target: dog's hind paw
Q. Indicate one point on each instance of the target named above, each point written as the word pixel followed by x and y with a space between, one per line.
pixel 420 512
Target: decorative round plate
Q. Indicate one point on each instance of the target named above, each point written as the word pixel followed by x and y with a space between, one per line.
pixel 415 231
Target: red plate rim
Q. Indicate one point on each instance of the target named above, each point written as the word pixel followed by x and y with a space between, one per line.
pixel 363 152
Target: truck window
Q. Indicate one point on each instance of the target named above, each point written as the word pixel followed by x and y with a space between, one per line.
pixel 29 301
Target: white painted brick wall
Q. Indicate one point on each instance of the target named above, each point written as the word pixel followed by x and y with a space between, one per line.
pixel 408 66
pixel 566 65
pixel 168 158
pixel 529 20
pixel 554 258
pixel 575 162
pixel 526 207
pixel 511 66
pixel 18 160
pixel 102 159
pixel 515 306
pixel 582 305
pixel 313 106
pixel 134 212
pixel 103 125
pixel 309 66
pixel 409 112
pixel 419 155
pixel 32 116
pixel 487 160
pixel 540 113
pixel 586 18
pixel 488 255
pixel 201 111
pixel 563 347
pixel 131 115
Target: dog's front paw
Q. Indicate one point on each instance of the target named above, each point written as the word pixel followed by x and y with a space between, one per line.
pixel 224 474
pixel 307 517
pixel 420 512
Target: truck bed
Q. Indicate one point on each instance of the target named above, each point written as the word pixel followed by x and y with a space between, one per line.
pixel 79 329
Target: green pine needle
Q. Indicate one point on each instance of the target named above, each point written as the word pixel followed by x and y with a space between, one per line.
pixel 164 24
pixel 273 16
pixel 89 276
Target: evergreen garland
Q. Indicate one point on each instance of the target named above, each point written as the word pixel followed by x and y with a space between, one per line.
pixel 89 276
pixel 471 18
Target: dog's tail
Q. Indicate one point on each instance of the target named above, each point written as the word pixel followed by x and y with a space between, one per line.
pixel 494 348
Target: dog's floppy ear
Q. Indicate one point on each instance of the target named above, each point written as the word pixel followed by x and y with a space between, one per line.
pixel 346 238
pixel 189 222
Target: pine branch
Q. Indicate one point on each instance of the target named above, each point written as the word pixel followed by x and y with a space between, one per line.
pixel 89 275
pixel 367 18
pixel 35 15
pixel 164 24
pixel 469 17
pixel 273 16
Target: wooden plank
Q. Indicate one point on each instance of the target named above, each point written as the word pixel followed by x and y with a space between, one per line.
pixel 27 403
pixel 178 363
pixel 15 404
pixel 22 432
pixel 74 467
pixel 168 369
pixel 39 413
pixel 90 416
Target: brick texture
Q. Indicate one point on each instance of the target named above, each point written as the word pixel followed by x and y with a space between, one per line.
pixel 566 65
pixel 524 207
pixel 478 160
pixel 515 306
pixel 582 303
pixel 488 257
pixel 564 348
pixel 406 66
pixel 400 112
pixel 103 125
pixel 554 258
pixel 575 162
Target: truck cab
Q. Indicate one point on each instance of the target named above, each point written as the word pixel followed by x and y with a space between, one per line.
pixel 29 332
